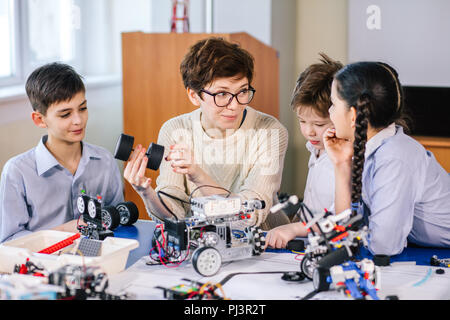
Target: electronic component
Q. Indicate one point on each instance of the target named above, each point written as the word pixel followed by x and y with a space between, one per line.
pixel 215 205
pixel 192 290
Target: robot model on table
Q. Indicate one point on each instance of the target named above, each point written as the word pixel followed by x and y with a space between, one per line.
pixel 208 237
pixel 102 220
pixel 332 238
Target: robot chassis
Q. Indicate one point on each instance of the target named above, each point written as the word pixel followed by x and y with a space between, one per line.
pixel 101 220
pixel 340 238
pixel 209 232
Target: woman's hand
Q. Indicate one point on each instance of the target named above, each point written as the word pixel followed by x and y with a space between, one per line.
pixel 134 171
pixel 183 162
pixel 339 150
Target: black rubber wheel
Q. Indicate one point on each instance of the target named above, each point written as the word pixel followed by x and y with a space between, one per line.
pixel 258 240
pixel 155 153
pixel 110 217
pixel 207 261
pixel 320 282
pixel 128 212
pixel 307 266
pixel 124 147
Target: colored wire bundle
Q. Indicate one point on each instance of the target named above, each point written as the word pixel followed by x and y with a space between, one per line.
pixel 169 258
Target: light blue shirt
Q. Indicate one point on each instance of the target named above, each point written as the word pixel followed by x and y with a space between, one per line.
pixel 407 192
pixel 37 193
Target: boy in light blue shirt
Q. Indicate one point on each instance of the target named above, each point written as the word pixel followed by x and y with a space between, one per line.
pixel 39 188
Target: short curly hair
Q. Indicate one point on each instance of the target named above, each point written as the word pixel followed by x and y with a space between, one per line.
pixel 313 87
pixel 214 58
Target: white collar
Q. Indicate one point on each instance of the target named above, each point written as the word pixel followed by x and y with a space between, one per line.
pixel 378 139
pixel 314 151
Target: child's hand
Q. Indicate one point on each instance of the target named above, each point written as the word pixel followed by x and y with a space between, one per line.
pixel 183 162
pixel 280 236
pixel 339 150
pixel 134 171
pixel 70 226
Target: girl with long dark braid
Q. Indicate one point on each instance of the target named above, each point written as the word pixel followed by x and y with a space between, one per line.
pixel 380 172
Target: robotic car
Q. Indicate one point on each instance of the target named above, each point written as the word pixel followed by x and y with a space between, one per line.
pixel 208 233
pixel 101 220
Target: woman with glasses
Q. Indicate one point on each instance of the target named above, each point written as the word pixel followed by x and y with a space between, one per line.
pixel 224 146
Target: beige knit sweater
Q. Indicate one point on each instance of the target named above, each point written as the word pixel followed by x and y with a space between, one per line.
pixel 248 162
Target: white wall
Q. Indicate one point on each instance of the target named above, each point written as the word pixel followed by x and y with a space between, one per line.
pixel 414 37
pixel 251 16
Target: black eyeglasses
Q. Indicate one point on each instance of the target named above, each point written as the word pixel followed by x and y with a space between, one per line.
pixel 224 98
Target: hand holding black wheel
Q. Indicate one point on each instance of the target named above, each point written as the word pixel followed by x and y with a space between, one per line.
pixel 124 147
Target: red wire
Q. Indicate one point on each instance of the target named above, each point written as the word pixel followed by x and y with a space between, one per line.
pixel 164 261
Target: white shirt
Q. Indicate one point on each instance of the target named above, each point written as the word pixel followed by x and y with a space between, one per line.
pixel 319 190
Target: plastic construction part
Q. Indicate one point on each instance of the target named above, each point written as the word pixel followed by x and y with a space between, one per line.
pixel 89 247
pixel 62 244
pixel 293 276
pixel 435 261
pixel 296 245
pixel 381 260
pixel 440 271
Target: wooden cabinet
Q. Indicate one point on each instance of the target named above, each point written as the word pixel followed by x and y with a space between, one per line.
pixel 440 148
pixel 153 90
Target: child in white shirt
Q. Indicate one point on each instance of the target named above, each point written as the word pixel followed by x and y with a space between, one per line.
pixel 311 101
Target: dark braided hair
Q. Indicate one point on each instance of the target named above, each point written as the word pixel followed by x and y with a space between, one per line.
pixel 359 145
pixel 374 90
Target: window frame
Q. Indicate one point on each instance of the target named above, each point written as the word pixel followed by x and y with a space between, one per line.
pixel 16 46
pixel 21 56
